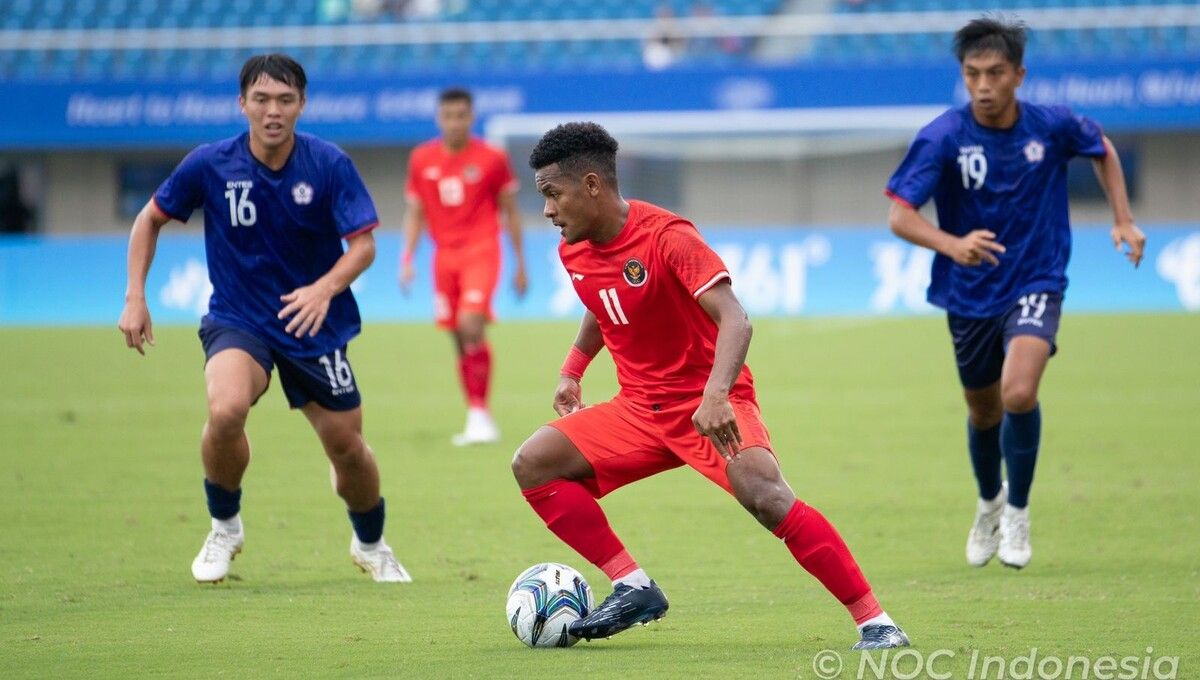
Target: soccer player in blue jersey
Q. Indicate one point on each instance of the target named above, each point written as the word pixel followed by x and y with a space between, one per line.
pixel 277 206
pixel 997 171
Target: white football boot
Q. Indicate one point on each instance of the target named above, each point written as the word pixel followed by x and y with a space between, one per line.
pixel 380 562
pixel 1015 550
pixel 480 429
pixel 212 564
pixel 984 538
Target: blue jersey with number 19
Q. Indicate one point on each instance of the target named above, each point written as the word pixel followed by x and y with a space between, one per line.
pixel 269 232
pixel 1012 182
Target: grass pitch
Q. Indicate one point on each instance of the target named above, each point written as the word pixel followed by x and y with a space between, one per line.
pixel 103 511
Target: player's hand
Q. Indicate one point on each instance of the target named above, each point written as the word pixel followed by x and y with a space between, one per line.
pixel 520 281
pixel 135 324
pixel 975 248
pixel 307 307
pixel 568 398
pixel 1129 234
pixel 407 274
pixel 716 420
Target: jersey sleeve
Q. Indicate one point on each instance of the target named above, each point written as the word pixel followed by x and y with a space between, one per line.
pixel 1082 136
pixel 411 190
pixel 919 173
pixel 506 180
pixel 353 209
pixel 183 191
pixel 690 259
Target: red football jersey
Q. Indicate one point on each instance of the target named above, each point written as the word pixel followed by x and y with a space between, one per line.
pixel 459 192
pixel 642 286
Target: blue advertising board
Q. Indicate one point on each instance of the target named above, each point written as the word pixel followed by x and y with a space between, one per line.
pixel 1129 94
pixel 776 272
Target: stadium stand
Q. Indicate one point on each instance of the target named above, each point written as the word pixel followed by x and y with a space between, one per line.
pixel 103 64
pixel 1167 41
pixel 95 17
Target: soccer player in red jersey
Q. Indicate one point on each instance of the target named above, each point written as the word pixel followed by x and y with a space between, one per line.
pixel 660 300
pixel 458 184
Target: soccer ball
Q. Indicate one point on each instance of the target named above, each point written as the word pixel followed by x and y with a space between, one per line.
pixel 543 602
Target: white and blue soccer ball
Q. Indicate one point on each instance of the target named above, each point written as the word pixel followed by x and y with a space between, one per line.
pixel 543 602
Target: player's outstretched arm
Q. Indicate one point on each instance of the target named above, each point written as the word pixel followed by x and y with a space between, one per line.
pixel 512 222
pixel 568 396
pixel 307 306
pixel 1112 179
pixel 413 217
pixel 143 239
pixel 715 418
pixel 975 248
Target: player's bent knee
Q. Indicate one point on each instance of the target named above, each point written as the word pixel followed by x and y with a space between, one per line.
pixel 227 415
pixel 769 504
pixel 527 465
pixel 546 456
pixel 344 447
pixel 760 488
pixel 1020 398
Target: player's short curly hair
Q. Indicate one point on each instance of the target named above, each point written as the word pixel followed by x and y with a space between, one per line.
pixel 276 66
pixel 578 148
pixel 992 34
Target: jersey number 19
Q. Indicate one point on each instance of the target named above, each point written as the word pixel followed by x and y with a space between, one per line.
pixel 974 169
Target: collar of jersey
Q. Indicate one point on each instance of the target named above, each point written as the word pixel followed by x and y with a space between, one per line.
pixel 998 131
pixel 626 230
pixel 263 166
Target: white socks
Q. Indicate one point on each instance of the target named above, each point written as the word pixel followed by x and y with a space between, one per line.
pixel 368 547
pixel 232 526
pixel 882 620
pixel 990 506
pixel 634 579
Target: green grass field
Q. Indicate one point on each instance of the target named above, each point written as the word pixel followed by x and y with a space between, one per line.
pixel 103 511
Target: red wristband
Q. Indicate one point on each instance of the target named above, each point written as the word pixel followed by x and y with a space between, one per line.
pixel 575 364
pixel 407 257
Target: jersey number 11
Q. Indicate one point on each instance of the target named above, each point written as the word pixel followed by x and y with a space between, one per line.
pixel 612 305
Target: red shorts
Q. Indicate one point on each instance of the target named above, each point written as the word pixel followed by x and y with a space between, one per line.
pixel 464 285
pixel 626 442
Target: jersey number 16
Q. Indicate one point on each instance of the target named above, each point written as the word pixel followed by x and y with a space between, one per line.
pixel 242 212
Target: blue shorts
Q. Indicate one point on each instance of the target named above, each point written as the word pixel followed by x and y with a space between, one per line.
pixel 980 344
pixel 327 380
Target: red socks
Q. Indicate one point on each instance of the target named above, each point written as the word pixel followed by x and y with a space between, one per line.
pixel 475 371
pixel 573 515
pixel 818 548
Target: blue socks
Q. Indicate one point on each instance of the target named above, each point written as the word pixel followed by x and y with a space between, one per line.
pixel 222 504
pixel 1020 434
pixel 368 526
pixel 984 446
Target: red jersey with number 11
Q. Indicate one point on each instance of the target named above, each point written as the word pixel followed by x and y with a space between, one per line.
pixel 643 288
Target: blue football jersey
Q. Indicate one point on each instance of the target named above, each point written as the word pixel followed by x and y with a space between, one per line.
pixel 267 233
pixel 1012 182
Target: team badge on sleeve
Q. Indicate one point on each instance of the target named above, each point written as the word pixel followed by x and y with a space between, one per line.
pixel 302 193
pixel 634 272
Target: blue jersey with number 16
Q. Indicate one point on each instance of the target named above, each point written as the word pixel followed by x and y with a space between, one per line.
pixel 1012 182
pixel 269 232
